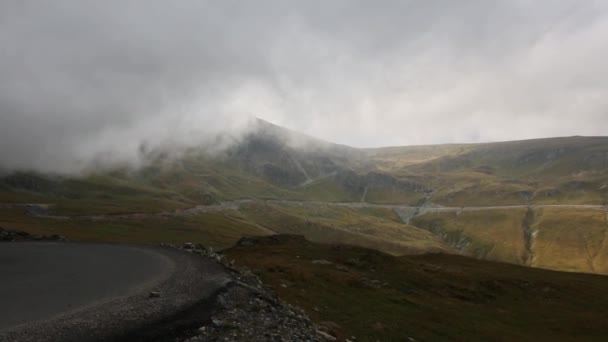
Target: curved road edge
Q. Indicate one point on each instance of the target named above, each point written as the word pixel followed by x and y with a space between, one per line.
pixel 193 280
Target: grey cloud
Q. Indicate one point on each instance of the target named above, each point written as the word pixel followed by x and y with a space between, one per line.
pixel 79 79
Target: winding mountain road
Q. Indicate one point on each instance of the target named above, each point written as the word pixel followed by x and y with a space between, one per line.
pixel 42 209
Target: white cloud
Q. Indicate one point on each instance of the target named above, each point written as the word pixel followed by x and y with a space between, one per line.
pixel 80 78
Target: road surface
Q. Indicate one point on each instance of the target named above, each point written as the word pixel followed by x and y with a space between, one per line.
pixel 91 292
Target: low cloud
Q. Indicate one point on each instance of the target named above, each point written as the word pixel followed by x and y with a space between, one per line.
pixel 84 79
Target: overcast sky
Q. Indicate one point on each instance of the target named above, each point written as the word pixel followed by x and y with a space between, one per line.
pixel 83 78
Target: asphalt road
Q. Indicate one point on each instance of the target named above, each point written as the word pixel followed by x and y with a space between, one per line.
pixel 77 292
pixel 40 280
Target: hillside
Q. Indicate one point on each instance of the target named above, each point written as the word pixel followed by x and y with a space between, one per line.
pixel 541 171
pixel 401 200
pixel 436 297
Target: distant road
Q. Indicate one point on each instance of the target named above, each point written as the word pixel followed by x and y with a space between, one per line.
pixel 73 291
pixel 407 213
pixel 42 210
pixel 438 207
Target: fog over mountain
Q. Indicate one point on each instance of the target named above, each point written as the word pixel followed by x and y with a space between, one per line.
pixel 83 79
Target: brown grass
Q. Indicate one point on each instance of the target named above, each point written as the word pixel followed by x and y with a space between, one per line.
pixel 375 296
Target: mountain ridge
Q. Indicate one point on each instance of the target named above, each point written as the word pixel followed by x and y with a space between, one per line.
pixel 273 166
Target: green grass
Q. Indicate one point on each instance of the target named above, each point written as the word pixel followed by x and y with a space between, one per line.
pixel 429 297
pixel 488 234
pixel 505 172
pixel 94 194
pixel 393 196
pixel 432 297
pixel 380 229
pixel 219 230
pixel 552 171
pixel 564 239
pixel 572 240
pixel 325 190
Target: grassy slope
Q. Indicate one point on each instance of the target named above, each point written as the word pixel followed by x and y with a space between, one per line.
pixel 555 170
pixel 324 190
pixel 430 297
pixel 378 229
pixel 94 194
pixel 571 240
pixel 562 239
pixel 424 290
pixel 390 196
pixel 560 170
pixel 219 230
pixel 488 234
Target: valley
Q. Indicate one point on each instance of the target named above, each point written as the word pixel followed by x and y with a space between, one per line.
pixel 539 203
pixel 420 231
pixel 303 171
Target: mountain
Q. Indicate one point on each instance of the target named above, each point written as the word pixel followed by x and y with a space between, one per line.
pixel 554 170
pixel 538 203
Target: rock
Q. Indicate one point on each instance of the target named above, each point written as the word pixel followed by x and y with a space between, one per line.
pixel 325 335
pixel 22 234
pixel 221 301
pixel 354 262
pixel 200 252
pixel 342 268
pixel 154 294
pixel 322 262
pixel 330 327
pixel 250 311
pixel 371 283
pixel 188 245
pixel 5 235
pixel 16 235
pixel 246 242
pixel 56 237
pixel 37 210
pixel 217 322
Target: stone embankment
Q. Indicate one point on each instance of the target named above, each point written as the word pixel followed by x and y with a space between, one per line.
pixel 16 235
pixel 247 310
